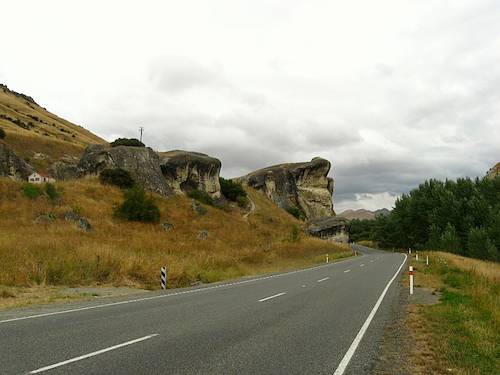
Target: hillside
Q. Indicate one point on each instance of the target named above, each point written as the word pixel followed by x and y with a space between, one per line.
pixel 363 214
pixel 52 251
pixel 37 135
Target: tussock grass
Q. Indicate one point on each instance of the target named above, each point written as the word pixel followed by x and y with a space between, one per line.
pixel 462 333
pixel 124 253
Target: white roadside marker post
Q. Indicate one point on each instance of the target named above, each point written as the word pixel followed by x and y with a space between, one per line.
pixel 416 256
pixel 409 250
pixel 163 277
pixel 327 260
pixel 411 279
pixel 426 260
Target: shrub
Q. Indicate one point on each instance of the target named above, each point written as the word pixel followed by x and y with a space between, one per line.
pixel 242 201
pixel 31 191
pixel 118 177
pixel 295 234
pixel 201 197
pixel 51 192
pixel 232 190
pixel 127 142
pixel 2 133
pixel 296 212
pixel 138 207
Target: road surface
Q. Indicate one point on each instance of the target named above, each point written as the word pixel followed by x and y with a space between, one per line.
pixel 323 320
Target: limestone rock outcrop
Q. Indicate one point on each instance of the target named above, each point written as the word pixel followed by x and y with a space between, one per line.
pixel 142 163
pixel 12 166
pixel 494 172
pixel 331 228
pixel 305 186
pixel 184 171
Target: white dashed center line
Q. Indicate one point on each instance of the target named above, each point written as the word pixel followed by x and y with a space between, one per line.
pixel 362 265
pixel 323 279
pixel 271 297
pixel 76 359
pixel 347 271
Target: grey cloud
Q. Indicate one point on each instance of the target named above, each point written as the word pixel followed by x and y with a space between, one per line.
pixel 174 74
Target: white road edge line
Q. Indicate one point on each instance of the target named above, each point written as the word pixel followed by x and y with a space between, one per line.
pixel 352 349
pixel 75 359
pixel 347 271
pixel 323 279
pixel 271 297
pixel 173 294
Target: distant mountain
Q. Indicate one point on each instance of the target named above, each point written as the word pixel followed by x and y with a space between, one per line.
pixel 363 214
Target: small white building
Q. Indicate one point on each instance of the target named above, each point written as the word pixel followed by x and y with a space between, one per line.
pixel 39 178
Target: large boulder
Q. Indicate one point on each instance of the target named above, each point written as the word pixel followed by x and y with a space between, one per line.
pixel 12 166
pixel 184 171
pixel 142 163
pixel 331 228
pixel 301 185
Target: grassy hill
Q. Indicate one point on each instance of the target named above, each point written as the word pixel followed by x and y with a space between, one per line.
pixel 32 129
pixel 121 253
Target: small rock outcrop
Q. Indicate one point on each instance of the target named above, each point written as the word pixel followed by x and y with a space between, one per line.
pixel 12 166
pixel 331 228
pixel 198 208
pixel 299 185
pixel 494 172
pixel 142 163
pixel 184 171
pixel 80 221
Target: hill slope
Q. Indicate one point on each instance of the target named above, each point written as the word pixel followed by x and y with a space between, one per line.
pixel 37 135
pixel 125 253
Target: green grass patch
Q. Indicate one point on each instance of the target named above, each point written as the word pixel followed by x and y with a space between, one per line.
pixel 466 320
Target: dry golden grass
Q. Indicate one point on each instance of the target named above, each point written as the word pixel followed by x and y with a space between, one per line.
pixel 489 270
pixel 130 254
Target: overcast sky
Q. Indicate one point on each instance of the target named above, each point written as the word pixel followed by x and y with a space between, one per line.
pixel 392 92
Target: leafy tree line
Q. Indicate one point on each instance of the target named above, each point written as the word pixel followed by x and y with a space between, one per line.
pixel 461 216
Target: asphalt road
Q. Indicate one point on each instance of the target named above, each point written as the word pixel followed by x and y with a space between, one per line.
pixel 323 320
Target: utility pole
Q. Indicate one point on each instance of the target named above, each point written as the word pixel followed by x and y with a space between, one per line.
pixel 141 129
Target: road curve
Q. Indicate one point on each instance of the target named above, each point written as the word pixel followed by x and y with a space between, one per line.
pixel 322 320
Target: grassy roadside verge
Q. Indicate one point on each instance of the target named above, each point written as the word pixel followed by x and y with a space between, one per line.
pixel 461 334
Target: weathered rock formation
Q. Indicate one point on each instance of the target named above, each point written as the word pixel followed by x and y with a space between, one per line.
pixel 186 171
pixel 12 166
pixel 494 171
pixel 301 185
pixel 142 163
pixel 331 228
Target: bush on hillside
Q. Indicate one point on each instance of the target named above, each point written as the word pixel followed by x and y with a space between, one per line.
pixel 51 192
pixel 234 191
pixel 127 142
pixel 138 207
pixel 31 191
pixel 201 197
pixel 2 133
pixel 117 176
pixel 296 212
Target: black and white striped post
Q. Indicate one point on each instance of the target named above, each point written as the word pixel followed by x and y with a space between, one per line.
pixel 163 277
